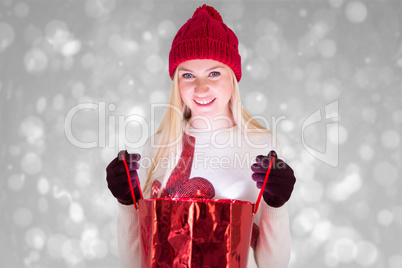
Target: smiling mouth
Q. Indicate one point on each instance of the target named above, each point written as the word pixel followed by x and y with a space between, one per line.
pixel 205 102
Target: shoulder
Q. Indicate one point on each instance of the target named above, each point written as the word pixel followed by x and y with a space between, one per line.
pixel 151 145
pixel 261 141
pixel 260 137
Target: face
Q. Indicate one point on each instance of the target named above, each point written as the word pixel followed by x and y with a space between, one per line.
pixel 205 87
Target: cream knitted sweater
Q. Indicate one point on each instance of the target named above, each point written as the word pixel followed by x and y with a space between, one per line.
pixel 224 158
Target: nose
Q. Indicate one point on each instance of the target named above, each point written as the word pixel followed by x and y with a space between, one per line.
pixel 201 86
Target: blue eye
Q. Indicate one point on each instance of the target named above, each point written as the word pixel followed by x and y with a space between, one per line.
pixel 215 74
pixel 187 75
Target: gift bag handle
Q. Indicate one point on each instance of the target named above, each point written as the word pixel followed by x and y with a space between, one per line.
pixel 257 204
pixel 131 185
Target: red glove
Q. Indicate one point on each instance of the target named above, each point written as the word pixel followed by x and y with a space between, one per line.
pixel 280 182
pixel 117 180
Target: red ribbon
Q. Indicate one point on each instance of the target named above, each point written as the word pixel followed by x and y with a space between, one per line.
pixel 257 204
pixel 129 181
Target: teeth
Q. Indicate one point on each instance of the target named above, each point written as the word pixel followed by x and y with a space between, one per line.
pixel 204 102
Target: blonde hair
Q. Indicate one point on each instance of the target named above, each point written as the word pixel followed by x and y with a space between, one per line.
pixel 176 118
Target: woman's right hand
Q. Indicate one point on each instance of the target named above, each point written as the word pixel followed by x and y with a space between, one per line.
pixel 117 180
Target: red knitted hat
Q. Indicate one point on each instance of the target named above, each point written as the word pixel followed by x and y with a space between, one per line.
pixel 205 36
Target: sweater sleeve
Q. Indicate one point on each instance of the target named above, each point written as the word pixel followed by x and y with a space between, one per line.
pixel 274 243
pixel 128 227
pixel 273 247
pixel 128 238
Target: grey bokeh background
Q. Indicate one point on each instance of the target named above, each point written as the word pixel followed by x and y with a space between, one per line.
pixel 82 66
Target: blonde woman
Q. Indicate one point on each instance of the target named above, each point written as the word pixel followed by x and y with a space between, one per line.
pixel 207 146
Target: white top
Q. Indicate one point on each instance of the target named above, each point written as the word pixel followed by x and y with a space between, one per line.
pixel 224 158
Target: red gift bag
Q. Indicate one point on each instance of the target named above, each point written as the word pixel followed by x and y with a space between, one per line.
pixel 195 232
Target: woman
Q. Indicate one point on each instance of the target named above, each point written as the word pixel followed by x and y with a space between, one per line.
pixel 205 145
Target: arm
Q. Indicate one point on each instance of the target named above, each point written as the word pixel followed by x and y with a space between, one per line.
pixel 128 229
pixel 128 238
pixel 273 247
pixel 274 243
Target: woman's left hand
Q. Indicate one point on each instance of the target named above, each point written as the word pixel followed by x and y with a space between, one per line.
pixel 280 182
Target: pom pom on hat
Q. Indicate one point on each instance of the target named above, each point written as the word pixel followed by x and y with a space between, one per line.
pixel 205 36
pixel 211 11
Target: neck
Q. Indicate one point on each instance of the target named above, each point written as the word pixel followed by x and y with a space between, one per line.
pixel 212 123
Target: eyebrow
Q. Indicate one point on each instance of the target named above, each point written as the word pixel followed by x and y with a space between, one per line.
pixel 187 70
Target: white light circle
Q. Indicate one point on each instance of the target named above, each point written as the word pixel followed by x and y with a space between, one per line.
pixel 76 212
pixel 23 217
pixel 367 253
pixel 167 29
pixel 268 47
pixel 356 11
pixel 345 249
pixel 395 261
pixel 390 139
pixel 98 8
pixel 31 163
pixel 256 102
pixel 258 69
pixel 43 185
pixel 385 173
pixel 327 48
pixel 21 10
pixel 7 36
pixel 154 63
pixel 385 217
pixel 35 238
pixel 336 3
pixel 54 245
pixel 36 61
pixel 366 152
pixel 16 182
pixel 158 96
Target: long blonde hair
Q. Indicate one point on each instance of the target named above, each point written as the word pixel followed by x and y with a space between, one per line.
pixel 176 118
